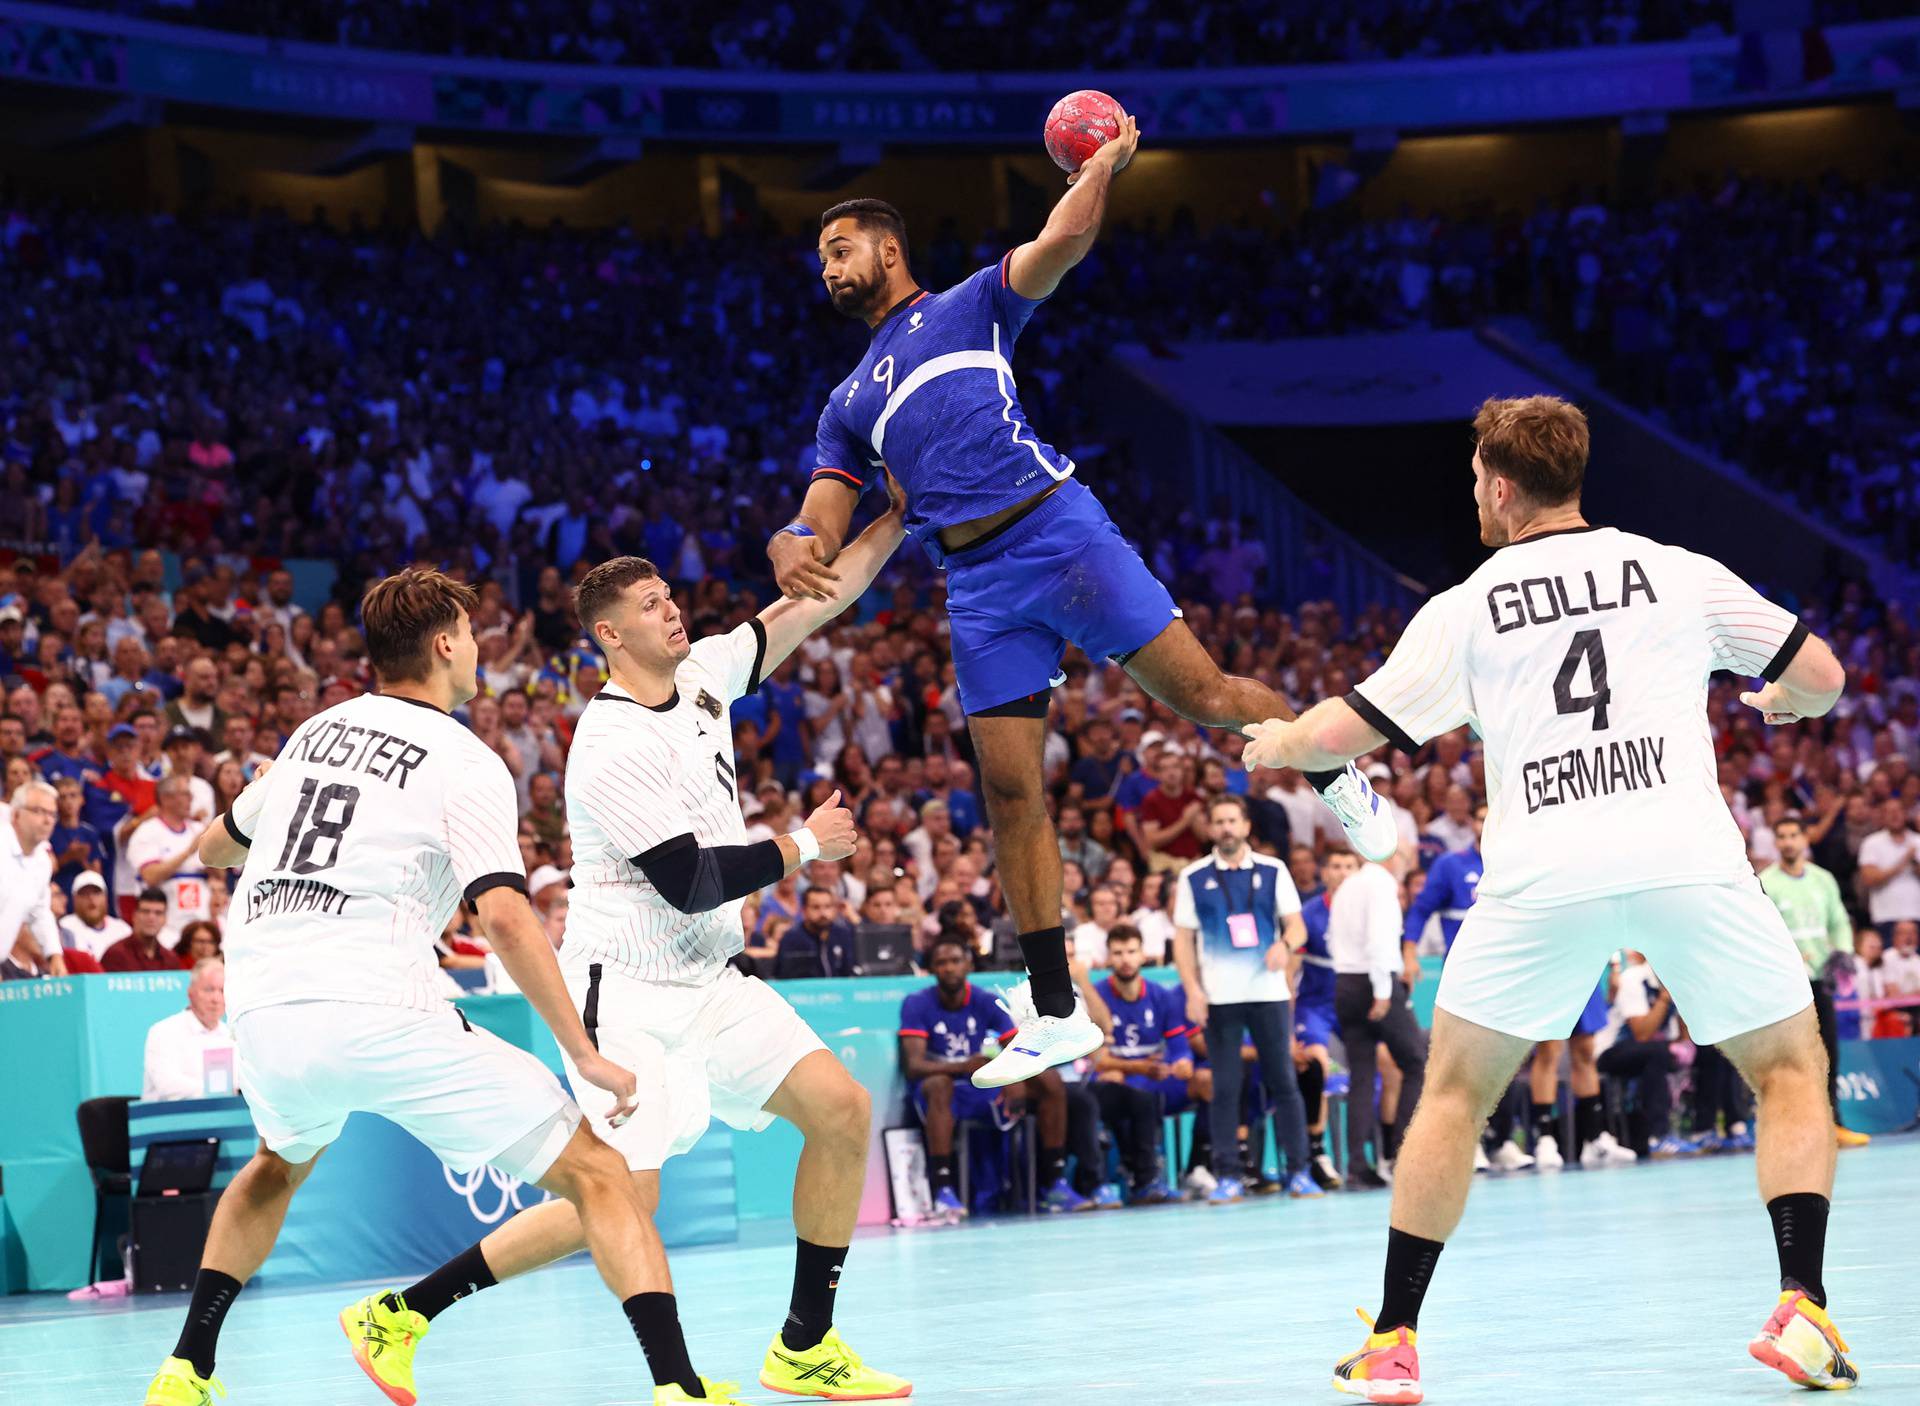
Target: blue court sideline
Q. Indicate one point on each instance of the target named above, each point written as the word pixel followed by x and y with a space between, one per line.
pixel 1587 1289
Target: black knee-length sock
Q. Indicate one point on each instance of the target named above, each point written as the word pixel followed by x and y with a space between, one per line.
pixel 1045 953
pixel 1800 1236
pixel 1410 1262
pixel 656 1322
pixel 816 1275
pixel 213 1295
pixel 466 1273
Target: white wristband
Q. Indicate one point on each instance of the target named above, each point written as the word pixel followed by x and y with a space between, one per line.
pixel 807 843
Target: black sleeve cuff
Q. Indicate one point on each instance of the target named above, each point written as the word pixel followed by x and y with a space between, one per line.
pixel 486 883
pixel 1381 723
pixel 663 849
pixel 1791 647
pixel 234 830
pixel 759 654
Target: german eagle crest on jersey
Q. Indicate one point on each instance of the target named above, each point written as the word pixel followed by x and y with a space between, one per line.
pixel 708 703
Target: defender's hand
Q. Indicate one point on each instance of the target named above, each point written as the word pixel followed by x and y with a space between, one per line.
pixel 603 1073
pixel 800 567
pixel 1264 744
pixel 832 826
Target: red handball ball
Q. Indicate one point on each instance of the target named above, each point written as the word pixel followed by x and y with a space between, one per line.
pixel 1079 125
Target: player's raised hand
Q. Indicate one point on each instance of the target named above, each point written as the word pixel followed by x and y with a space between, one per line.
pixel 832 826
pixel 1116 153
pixel 603 1073
pixel 800 567
pixel 1772 703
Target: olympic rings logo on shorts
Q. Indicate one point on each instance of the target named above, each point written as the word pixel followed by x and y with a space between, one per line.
pixel 470 1185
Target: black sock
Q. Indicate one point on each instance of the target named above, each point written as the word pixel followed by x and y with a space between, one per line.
pixel 1546 1122
pixel 213 1294
pixel 1312 1081
pixel 1389 1139
pixel 1317 1142
pixel 1589 1119
pixel 941 1164
pixel 1053 1165
pixel 1200 1149
pixel 1800 1235
pixel 1320 780
pixel 1045 953
pixel 816 1274
pixel 466 1273
pixel 1410 1263
pixel 656 1322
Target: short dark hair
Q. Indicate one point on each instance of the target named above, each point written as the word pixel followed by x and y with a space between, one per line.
pixel 1537 441
pixel 600 587
pixel 401 614
pixel 151 895
pixel 1786 820
pixel 1122 932
pixel 947 939
pixel 870 214
pixel 1227 798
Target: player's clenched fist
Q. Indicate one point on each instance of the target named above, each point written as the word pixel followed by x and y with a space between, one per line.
pixel 800 566
pixel 603 1073
pixel 832 826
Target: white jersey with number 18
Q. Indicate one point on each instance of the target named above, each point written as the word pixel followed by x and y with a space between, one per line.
pixel 378 816
pixel 1581 658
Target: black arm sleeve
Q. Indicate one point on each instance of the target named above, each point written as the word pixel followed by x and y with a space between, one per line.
pixel 696 878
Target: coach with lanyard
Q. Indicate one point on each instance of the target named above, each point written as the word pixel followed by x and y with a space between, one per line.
pixel 1237 936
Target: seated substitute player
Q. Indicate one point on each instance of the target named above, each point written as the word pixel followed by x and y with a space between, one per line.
pixel 661 871
pixel 1032 560
pixel 1581 654
pixel 1146 1072
pixel 947 1031
pixel 1314 1021
pixel 379 816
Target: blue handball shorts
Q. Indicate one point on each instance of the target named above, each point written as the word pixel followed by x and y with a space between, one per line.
pixel 1062 574
pixel 1594 1018
pixel 1314 1025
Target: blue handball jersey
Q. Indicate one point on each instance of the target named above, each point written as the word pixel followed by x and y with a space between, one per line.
pixel 1153 1026
pixel 1452 884
pixel 934 400
pixel 1316 963
pixel 951 1034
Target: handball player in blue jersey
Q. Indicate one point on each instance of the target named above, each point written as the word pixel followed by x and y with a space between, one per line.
pixel 1033 562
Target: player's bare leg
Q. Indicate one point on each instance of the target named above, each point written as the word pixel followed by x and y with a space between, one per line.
pixel 1053 1026
pixel 1175 668
pixel 1786 1066
pixel 245 1225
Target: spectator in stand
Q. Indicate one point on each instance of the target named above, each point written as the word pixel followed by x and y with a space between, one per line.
pixel 146 948
pixel 198 941
pixel 1173 816
pixel 1900 967
pixel 189 1054
pixel 117 801
pixel 821 943
pixel 1088 942
pixel 164 851
pixel 90 928
pixel 1077 846
pixel 76 845
pixel 186 750
pixel 238 734
pixel 1890 868
pixel 68 754
pixel 197 705
pixel 1455 828
pixel 27 923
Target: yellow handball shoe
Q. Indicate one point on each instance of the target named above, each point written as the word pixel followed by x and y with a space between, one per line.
pixel 1801 1343
pixel 384 1340
pixel 717 1394
pixel 1386 1369
pixel 1847 1137
pixel 177 1384
pixel 830 1369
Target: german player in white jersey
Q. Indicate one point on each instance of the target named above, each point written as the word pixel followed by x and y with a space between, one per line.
pixel 379 816
pixel 661 869
pixel 1580 654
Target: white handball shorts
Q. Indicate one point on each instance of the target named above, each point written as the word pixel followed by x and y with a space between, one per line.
pixel 467 1094
pixel 1721 949
pixel 719 1050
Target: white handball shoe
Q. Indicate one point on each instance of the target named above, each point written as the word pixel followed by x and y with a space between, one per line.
pixel 1606 1151
pixel 1509 1157
pixel 1039 1042
pixel 1546 1155
pixel 1480 1162
pixel 1366 816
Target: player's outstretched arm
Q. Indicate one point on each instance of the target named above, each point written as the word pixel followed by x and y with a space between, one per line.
pixel 522 946
pixel 1810 686
pixel 790 620
pixel 1036 268
pixel 1324 738
pixel 802 552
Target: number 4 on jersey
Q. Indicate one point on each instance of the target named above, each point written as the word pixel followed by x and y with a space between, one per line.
pixel 1586 645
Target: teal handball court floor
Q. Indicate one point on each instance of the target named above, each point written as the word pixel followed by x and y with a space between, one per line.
pixel 1632 1286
